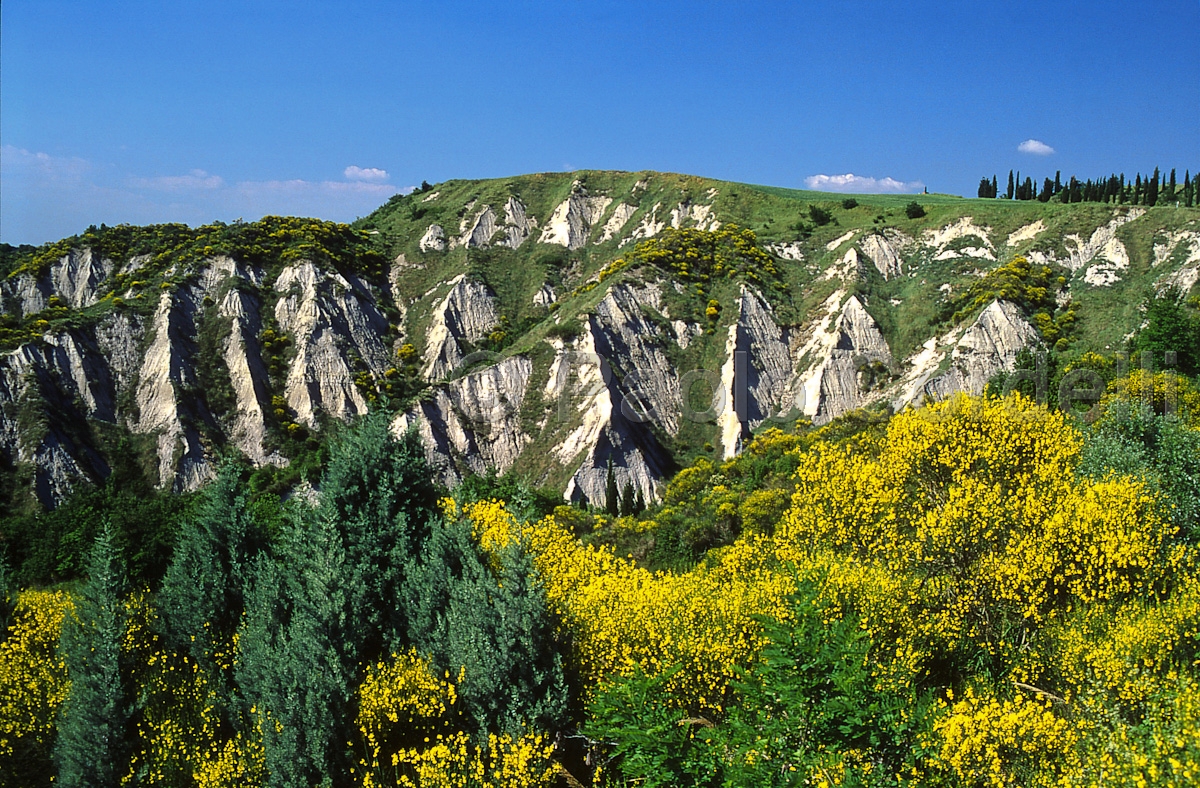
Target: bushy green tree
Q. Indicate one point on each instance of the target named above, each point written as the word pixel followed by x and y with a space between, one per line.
pixel 1132 439
pixel 299 655
pixel 1170 328
pixel 92 746
pixel 378 490
pixel 334 598
pixel 488 619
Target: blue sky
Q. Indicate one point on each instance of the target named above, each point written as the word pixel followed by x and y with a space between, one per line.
pixel 194 111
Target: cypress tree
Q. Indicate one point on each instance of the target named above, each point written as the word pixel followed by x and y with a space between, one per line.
pixel 1047 191
pixel 995 187
pixel 640 502
pixel 627 499
pixel 1137 190
pixel 91 750
pixel 1057 181
pixel 612 501
pixel 1171 186
pixel 204 590
pixel 1187 189
pixel 1011 188
pixel 1152 190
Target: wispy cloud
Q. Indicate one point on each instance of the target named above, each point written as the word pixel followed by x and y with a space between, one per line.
pixel 46 197
pixel 353 173
pixel 1036 147
pixel 860 184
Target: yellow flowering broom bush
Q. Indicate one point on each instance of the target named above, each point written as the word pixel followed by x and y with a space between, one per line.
pixel 33 686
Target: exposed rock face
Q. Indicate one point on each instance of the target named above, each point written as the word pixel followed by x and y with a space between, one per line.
pixel 336 330
pixel 845 269
pixel 1026 233
pixel 517 224
pixel 581 381
pixel 701 216
pixel 616 222
pixel 467 312
pixel 843 343
pixel 754 379
pixel 611 391
pixel 434 239
pixel 1103 242
pixel 77 277
pixel 987 347
pixel 963 228
pixel 248 375
pixel 625 337
pixel 649 227
pixel 46 388
pixel 473 423
pixel 884 250
pixel 787 251
pixel 166 368
pixel 573 219
pixel 478 231
pixel 74 278
pixel 841 239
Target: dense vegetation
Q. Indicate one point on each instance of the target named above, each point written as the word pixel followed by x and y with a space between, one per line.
pixel 980 592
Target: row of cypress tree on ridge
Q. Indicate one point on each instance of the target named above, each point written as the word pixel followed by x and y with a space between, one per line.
pixel 1148 190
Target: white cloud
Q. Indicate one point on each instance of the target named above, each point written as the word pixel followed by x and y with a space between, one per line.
pixel 1036 147
pixel 353 173
pixel 196 179
pixel 860 184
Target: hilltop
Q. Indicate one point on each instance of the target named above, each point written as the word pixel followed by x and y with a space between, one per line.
pixel 574 329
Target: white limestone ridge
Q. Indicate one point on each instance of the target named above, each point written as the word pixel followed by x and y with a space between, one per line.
pixel 701 216
pixel 787 251
pixel 68 363
pixel 166 367
pixel 545 296
pixel 573 219
pixel 648 227
pixel 1026 233
pixel 472 424
pixel 841 239
pixel 74 278
pixel 626 338
pixel 477 231
pixel 1103 242
pixel 468 312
